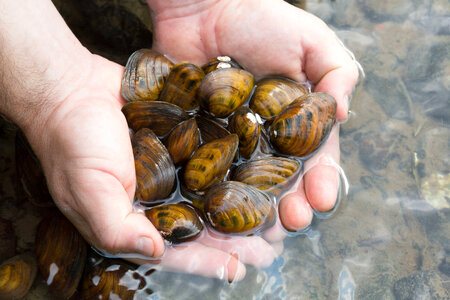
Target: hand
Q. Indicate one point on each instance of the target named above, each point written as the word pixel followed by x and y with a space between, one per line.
pixel 268 37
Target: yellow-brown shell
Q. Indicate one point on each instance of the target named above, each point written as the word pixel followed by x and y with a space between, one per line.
pixel 177 223
pixel 210 163
pixel 159 116
pixel 210 130
pixel 182 84
pixel 247 126
pixel 220 62
pixel 145 73
pixel 272 94
pixel 61 255
pixel 235 207
pixel 17 275
pixel 222 91
pixel 272 175
pixel 155 171
pixel 304 125
pixel 183 140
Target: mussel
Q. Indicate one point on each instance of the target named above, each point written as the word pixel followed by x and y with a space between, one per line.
pixel 272 94
pixel 159 116
pixel 183 140
pixel 144 76
pixel 210 130
pixel 155 171
pixel 8 238
pixel 222 91
pixel 220 62
pixel 235 207
pixel 61 255
pixel 17 274
pixel 270 174
pixel 247 126
pixel 210 163
pixel 181 86
pixel 177 223
pixel 304 125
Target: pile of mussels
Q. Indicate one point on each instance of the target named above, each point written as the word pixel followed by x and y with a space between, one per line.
pixel 231 145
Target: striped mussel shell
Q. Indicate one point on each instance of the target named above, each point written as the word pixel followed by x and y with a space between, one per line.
pixel 273 175
pixel 235 207
pixel 272 94
pixel 183 140
pixel 182 84
pixel 220 62
pixel 210 163
pixel 177 223
pixel 155 171
pixel 222 91
pixel 247 125
pixel 304 125
pixel 61 255
pixel 160 117
pixel 210 130
pixel 145 73
pixel 17 275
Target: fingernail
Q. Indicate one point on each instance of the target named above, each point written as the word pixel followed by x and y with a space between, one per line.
pixel 145 246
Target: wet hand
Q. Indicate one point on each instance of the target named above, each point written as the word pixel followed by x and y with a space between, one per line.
pixel 268 37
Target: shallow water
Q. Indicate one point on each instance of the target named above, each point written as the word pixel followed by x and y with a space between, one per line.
pixel 389 238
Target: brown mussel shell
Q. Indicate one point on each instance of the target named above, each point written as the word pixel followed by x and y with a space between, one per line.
pixel 159 116
pixel 272 175
pixel 210 163
pixel 61 255
pixel 17 275
pixel 220 62
pixel 144 76
pixel 8 238
pixel 183 140
pixel 248 128
pixel 222 91
pixel 155 171
pixel 210 130
pixel 181 86
pixel 235 207
pixel 304 125
pixel 177 223
pixel 272 94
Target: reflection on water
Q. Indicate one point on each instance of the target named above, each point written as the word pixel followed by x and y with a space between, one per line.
pixel 389 238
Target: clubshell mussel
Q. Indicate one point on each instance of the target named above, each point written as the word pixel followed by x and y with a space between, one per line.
pixel 235 207
pixel 17 275
pixel 144 76
pixel 304 125
pixel 155 171
pixel 220 62
pixel 273 175
pixel 61 255
pixel 247 125
pixel 177 222
pixel 183 140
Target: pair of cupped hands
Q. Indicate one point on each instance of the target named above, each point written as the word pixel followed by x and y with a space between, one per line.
pixel 85 147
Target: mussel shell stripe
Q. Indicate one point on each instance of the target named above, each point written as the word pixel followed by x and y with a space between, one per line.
pixel 245 124
pixel 181 86
pixel 220 62
pixel 235 207
pixel 304 125
pixel 17 275
pixel 159 116
pixel 210 163
pixel 155 171
pixel 183 140
pixel 61 249
pixel 144 76
pixel 210 130
pixel 270 174
pixel 224 90
pixel 177 222
pixel 272 94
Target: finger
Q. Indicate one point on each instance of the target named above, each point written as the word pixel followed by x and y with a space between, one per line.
pixel 294 210
pixel 252 250
pixel 195 258
pixel 322 176
pixel 275 234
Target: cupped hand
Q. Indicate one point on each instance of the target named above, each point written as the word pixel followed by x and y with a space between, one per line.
pixel 268 37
